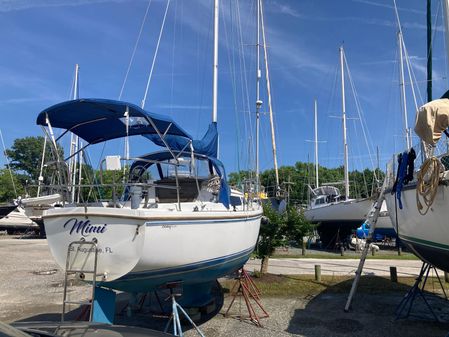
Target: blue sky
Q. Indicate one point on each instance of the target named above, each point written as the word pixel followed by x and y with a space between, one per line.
pixel 42 40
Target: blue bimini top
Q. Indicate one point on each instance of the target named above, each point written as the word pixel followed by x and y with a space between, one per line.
pixel 98 120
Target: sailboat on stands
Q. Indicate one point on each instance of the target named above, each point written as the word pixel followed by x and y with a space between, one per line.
pixel 6 209
pixel 337 215
pixel 417 200
pixel 175 223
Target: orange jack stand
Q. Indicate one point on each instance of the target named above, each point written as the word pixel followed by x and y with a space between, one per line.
pixel 245 287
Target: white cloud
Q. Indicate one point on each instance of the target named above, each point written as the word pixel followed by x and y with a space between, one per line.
pixel 283 8
pixel 182 107
pixel 377 4
pixel 17 5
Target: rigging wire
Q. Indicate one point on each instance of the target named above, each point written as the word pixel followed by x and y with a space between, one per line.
pixel 247 131
pixel 155 55
pixel 232 70
pixel 200 65
pixel 173 61
pixel 8 165
pixel 365 131
pixel 134 49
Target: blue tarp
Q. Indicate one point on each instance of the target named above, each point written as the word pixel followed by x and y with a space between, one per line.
pixel 224 193
pixel 99 120
pixel 207 146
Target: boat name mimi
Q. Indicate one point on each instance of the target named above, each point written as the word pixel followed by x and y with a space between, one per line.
pixel 84 227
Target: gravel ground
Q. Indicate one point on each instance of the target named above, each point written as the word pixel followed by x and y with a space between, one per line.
pixel 31 288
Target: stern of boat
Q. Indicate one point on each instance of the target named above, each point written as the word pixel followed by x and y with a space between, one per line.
pixel 117 234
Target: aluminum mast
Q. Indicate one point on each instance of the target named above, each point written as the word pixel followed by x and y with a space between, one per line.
pixel 345 142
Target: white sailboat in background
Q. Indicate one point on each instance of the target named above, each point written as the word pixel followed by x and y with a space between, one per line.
pixel 173 225
pixel 17 221
pixel 336 213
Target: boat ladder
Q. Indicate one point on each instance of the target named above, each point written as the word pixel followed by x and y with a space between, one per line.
pixel 371 219
pixel 80 265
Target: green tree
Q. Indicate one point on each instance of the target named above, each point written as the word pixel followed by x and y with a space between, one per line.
pixel 278 229
pixel 271 235
pixel 297 226
pixel 236 178
pixel 26 155
pixel 7 190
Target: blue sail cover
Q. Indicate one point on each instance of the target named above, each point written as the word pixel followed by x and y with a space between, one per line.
pixel 207 146
pixel 224 194
pixel 99 120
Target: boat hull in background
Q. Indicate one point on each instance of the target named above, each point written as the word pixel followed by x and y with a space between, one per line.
pixel 337 221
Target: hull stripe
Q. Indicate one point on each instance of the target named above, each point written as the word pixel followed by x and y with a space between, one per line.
pixel 424 242
pixel 198 221
pixel 186 268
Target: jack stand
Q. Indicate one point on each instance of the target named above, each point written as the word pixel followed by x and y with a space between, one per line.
pixel 177 330
pixel 409 298
pixel 249 291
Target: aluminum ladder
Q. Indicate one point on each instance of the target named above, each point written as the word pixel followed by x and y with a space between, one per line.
pixel 77 267
pixel 372 217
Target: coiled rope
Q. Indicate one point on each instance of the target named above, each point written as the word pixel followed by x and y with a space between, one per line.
pixel 427 186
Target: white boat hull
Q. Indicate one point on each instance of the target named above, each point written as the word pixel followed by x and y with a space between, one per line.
pixel 426 235
pixel 194 247
pixel 17 220
pixel 343 211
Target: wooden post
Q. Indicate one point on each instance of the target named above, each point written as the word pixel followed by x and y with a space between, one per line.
pixel 318 272
pixel 446 277
pixel 373 250
pixel 342 251
pixel 303 248
pixel 393 274
pixel 399 250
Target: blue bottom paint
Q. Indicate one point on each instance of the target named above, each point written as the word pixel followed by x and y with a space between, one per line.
pixel 198 273
pixel 104 306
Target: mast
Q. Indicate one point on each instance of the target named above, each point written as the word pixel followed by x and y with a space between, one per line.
pixel 403 96
pixel 446 25
pixel 270 106
pixel 429 51
pixel 74 140
pixel 215 78
pixel 316 146
pixel 258 101
pixel 345 142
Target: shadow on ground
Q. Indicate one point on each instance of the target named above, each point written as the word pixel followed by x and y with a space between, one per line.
pixel 149 311
pixel 372 312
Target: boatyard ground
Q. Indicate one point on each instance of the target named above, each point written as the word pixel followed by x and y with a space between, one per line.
pixel 31 289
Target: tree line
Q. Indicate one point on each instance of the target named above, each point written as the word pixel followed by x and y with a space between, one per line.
pixel 296 179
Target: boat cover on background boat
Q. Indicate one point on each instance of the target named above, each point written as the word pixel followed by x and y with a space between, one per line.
pixel 432 120
pixel 224 194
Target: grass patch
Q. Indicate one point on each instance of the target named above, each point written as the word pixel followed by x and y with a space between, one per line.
pixel 305 285
pixel 337 256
